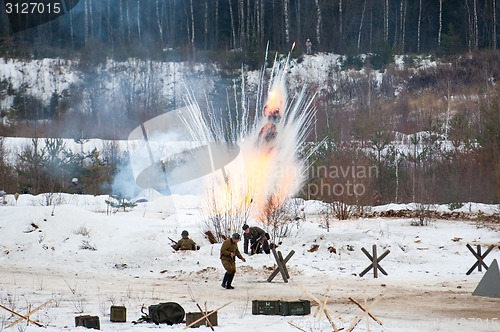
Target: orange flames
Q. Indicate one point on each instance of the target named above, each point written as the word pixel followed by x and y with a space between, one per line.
pixel 268 165
pixel 274 103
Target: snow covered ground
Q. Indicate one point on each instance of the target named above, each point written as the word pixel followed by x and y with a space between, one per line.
pixel 85 260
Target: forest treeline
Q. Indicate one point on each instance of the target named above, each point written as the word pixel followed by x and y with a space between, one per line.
pixel 190 28
pixel 432 132
pixel 412 133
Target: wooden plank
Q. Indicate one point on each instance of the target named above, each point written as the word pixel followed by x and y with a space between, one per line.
pixel 24 317
pixel 29 313
pixel 301 329
pixel 322 304
pixel 315 298
pixel 206 315
pixel 375 261
pixel 365 310
pixel 357 318
pixel 207 321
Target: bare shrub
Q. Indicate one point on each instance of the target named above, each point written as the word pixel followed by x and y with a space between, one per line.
pixel 56 299
pixel 84 231
pixel 79 302
pixel 342 210
pixel 423 214
pixel 225 214
pixel 327 215
pixel 86 245
pixel 274 216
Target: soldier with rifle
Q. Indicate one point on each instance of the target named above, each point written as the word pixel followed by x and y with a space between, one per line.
pixel 258 239
pixel 185 243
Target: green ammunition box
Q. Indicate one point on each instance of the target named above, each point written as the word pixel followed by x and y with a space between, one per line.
pixel 118 314
pixel 265 307
pixel 302 307
pixel 90 322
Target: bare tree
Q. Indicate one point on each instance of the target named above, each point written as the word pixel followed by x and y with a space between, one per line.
pixel 159 22
pixel 127 9
pixel 340 17
pixel 299 31
pixel 476 29
pixel 403 6
pixel 419 24
pixel 241 21
pixel 470 30
pixel 91 16
pixel 216 23
pixel 205 25
pixel 192 24
pixel 287 23
pixel 494 5
pixel 233 32
pixel 361 24
pixel 386 21
pixel 318 22
pixel 85 22
pixel 440 22
pixel 139 20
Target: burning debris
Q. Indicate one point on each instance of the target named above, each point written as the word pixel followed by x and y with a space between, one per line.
pixel 268 164
pixel 273 112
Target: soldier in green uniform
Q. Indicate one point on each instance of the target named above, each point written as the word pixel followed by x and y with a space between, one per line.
pixel 228 253
pixel 185 243
pixel 258 239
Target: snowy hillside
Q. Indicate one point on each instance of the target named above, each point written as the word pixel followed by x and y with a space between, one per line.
pixel 85 257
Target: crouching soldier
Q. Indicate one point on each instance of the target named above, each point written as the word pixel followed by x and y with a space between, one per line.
pixel 228 253
pixel 185 243
pixel 258 239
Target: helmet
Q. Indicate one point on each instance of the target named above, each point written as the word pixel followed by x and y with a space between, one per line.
pixel 245 227
pixel 235 236
pixel 185 233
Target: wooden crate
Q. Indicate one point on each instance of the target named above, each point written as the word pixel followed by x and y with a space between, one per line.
pixel 118 314
pixel 90 322
pixel 302 307
pixel 194 316
pixel 283 308
pixel 265 307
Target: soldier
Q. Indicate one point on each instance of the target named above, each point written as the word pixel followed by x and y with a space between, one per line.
pixel 308 46
pixel 185 243
pixel 258 240
pixel 228 253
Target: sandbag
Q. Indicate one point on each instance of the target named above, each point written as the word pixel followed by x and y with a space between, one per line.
pixel 166 313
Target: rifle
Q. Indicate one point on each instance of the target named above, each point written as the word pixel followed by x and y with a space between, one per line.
pixel 174 243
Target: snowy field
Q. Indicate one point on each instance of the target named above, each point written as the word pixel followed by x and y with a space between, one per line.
pixel 84 260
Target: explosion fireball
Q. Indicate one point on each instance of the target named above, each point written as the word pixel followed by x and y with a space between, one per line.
pixel 269 166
